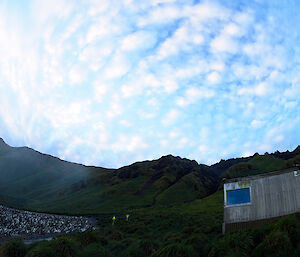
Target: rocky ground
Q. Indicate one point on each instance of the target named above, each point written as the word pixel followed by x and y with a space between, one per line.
pixel 25 224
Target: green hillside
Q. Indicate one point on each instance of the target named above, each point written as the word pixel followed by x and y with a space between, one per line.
pixel 175 210
pixel 35 181
pixel 186 230
pixel 260 164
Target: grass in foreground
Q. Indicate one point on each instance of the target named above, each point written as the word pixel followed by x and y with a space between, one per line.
pixel 189 230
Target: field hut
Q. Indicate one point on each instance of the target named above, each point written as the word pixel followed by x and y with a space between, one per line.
pixel 255 200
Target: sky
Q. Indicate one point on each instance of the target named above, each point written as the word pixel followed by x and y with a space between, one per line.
pixel 112 82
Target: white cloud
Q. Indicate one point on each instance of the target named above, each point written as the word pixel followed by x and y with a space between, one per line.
pixel 233 30
pixel 256 123
pixel 179 41
pixel 247 154
pixel 105 26
pixel 171 117
pixel 153 102
pixel 125 123
pixel 100 90
pixel 96 56
pixel 193 94
pixel 217 66
pixel 118 67
pixel 129 143
pixel 115 107
pixel 213 78
pixel 156 2
pixel 161 15
pixel 98 7
pixel 260 90
pixel 224 43
pixel 155 54
pixel 43 9
pixel 138 40
pixel 77 75
pixel 206 11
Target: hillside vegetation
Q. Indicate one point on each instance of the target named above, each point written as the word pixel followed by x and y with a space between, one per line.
pixel 174 206
pixel 40 182
pixel 186 230
pixel 35 181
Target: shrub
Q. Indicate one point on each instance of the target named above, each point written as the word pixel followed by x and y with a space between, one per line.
pixel 232 244
pixel 116 235
pixel 87 237
pixel 198 242
pixel 291 225
pixel 94 250
pixel 144 247
pixel 277 243
pixel 64 247
pixel 175 250
pixel 13 248
pixel 42 250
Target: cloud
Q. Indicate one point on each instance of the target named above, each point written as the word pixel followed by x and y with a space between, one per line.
pixel 260 90
pixel 193 94
pixel 119 78
pixel 100 90
pixel 181 40
pixel 118 66
pixel 161 14
pixel 130 144
pixel 214 77
pixel 138 40
pixel 76 75
pixel 224 43
pixel 256 123
pixel 171 117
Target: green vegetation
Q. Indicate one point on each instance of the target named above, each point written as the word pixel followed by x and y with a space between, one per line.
pixel 49 184
pixel 186 230
pixel 175 210
pixel 260 164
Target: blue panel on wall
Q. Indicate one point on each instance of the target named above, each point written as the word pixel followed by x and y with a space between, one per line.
pixel 238 196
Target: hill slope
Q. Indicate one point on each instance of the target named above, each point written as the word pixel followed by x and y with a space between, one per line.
pixel 36 181
pixel 31 180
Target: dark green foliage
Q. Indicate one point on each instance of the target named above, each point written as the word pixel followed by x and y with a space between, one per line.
pixel 64 247
pixel 290 225
pixel 13 248
pixel 133 251
pixel 144 247
pixel 42 250
pixel 94 250
pixel 88 237
pixel 199 242
pixel 175 250
pixel 293 162
pixel 169 213
pixel 232 244
pixel 52 185
pixel 256 165
pixel 240 170
pixel 277 243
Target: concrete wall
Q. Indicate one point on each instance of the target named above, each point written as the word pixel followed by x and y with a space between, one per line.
pixel 270 196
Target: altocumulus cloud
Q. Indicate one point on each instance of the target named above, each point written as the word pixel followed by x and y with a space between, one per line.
pixel 112 82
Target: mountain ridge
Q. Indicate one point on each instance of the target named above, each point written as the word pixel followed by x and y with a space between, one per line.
pixel 36 181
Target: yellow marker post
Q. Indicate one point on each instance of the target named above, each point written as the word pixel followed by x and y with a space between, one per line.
pixel 127 217
pixel 113 220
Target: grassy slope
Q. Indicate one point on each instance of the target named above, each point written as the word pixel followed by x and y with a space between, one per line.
pixel 257 165
pixel 187 230
pixel 31 180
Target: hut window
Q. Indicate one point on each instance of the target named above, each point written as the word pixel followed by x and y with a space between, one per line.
pixel 238 196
